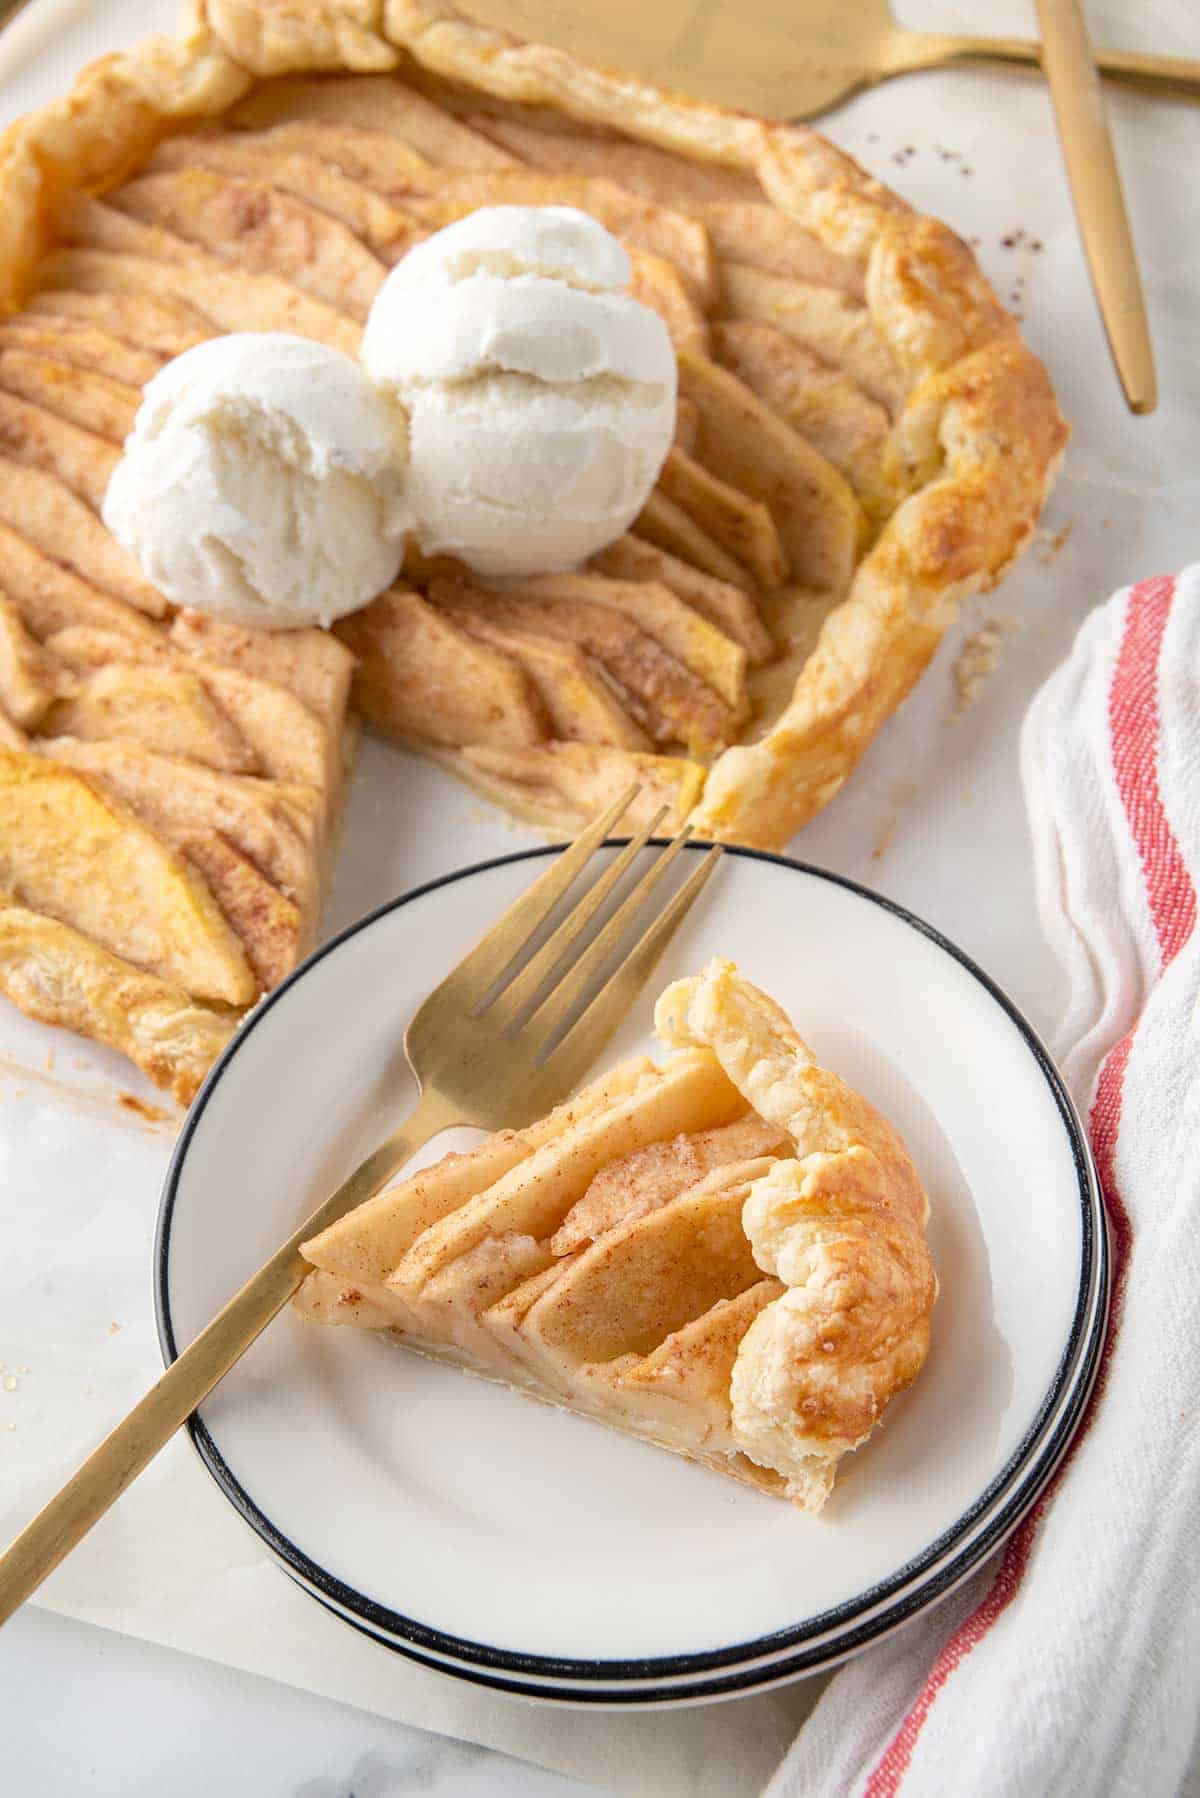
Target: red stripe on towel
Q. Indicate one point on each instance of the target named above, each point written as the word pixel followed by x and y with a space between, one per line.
pixel 1133 722
pixel 1133 725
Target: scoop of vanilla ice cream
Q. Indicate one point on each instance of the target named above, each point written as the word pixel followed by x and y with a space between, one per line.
pixel 541 397
pixel 263 481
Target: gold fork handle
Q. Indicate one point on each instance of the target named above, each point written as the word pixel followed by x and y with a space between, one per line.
pixel 70 1514
pixel 9 10
pixel 912 50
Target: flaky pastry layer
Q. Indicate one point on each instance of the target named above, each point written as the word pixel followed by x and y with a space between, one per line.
pixel 841 1221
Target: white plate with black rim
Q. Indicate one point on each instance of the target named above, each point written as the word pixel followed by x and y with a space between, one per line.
pixel 526 1549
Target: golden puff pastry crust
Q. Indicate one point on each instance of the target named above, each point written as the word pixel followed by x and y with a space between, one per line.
pixel 61 977
pixel 975 435
pixel 840 1221
pixel 723 1254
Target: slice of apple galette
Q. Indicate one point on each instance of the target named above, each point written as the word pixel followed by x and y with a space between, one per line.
pixel 723 1254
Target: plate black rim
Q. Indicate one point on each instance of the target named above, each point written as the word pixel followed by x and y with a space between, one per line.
pixel 803 1648
pixel 774 1673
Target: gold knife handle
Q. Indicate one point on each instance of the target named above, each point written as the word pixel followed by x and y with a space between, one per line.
pixel 9 10
pixel 1099 201
pixel 1177 76
pixel 70 1514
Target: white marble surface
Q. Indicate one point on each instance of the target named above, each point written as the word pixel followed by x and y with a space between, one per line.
pixel 89 1712
pixel 934 818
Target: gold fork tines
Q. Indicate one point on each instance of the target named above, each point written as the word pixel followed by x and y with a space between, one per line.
pixel 558 1005
pixel 495 954
pixel 517 1007
pixel 577 1050
pixel 468 1071
pixel 518 996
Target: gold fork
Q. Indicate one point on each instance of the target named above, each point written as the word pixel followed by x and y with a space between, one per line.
pixel 498 1043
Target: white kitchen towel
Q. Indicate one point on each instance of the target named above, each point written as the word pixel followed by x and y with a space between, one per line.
pixel 1069 1663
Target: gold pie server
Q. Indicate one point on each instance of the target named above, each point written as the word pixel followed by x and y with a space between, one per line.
pixel 786 59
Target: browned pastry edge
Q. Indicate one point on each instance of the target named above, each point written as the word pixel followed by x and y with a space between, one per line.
pixel 980 413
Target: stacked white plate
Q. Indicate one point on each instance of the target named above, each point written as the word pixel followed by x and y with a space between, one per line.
pixel 526 1549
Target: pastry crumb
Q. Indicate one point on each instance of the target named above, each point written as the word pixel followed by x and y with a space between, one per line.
pixel 902 792
pixel 11 1382
pixel 978 659
pixel 1047 544
pixel 113 1328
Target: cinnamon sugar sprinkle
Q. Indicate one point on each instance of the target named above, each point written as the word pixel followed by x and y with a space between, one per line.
pixel 153 1114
